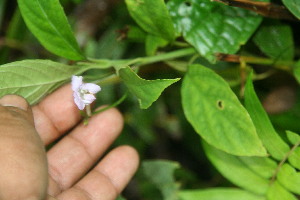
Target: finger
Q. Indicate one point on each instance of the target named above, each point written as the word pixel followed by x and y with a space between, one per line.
pixel 56 114
pixel 107 179
pixel 23 163
pixel 76 153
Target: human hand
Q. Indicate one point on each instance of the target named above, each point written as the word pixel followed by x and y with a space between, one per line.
pixel 72 171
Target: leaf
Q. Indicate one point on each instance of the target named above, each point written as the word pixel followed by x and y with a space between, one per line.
pixel 217 115
pixel 293 6
pixel 276 41
pixel 264 167
pixel 153 17
pixel 289 178
pixel 212 27
pixel 294 138
pixel 161 174
pixel 277 192
pixel 294 158
pixel 233 169
pixel 33 79
pixel 47 21
pixel 147 91
pixel 218 194
pixel 271 140
pixel 153 43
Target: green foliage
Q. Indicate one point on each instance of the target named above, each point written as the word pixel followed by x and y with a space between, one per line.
pixel 236 171
pixel 277 192
pixel 293 138
pixel 47 21
pixel 212 27
pixel 153 43
pixel 217 115
pixel 219 194
pixel 293 6
pixel 289 178
pixel 30 79
pixel 276 41
pixel 153 17
pixel 161 174
pixel 271 140
pixel 147 91
pixel 193 39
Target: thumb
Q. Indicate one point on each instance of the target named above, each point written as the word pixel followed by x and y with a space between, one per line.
pixel 23 164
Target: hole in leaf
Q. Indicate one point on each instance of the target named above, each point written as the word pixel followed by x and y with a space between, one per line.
pixel 220 104
pixel 188 3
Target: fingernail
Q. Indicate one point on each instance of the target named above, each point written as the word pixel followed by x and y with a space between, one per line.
pixel 14 101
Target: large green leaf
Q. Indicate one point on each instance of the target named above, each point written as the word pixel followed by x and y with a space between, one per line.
pixel 147 91
pixel 236 171
pixel 212 27
pixel 161 173
pixel 276 41
pixel 218 194
pixel 153 17
pixel 271 140
pixel 47 21
pixel 293 6
pixel 217 115
pixel 33 79
pixel 289 178
pixel 277 192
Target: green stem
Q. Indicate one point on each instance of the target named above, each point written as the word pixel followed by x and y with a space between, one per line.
pixel 143 60
pixel 280 64
pixel 119 101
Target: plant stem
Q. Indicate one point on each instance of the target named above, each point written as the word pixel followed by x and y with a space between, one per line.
pixel 279 64
pixel 119 101
pixel 141 60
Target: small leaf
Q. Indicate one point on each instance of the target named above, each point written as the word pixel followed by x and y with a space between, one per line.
pixel 153 43
pixel 233 169
pixel 276 41
pixel 294 138
pixel 161 173
pixel 33 79
pixel 277 192
pixel 218 194
pixel 289 178
pixel 153 17
pixel 293 6
pixel 271 140
pixel 212 27
pixel 294 158
pixel 217 115
pixel 147 91
pixel 47 21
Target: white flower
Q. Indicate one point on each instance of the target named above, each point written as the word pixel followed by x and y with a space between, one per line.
pixel 83 93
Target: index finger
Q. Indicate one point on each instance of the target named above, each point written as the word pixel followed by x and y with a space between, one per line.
pixel 56 114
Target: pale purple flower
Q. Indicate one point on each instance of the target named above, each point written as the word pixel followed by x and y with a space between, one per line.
pixel 84 93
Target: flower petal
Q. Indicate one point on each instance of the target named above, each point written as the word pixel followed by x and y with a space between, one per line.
pixel 76 82
pixel 78 101
pixel 91 87
pixel 88 98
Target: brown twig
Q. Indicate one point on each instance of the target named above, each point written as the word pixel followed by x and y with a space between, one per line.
pixel 266 9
